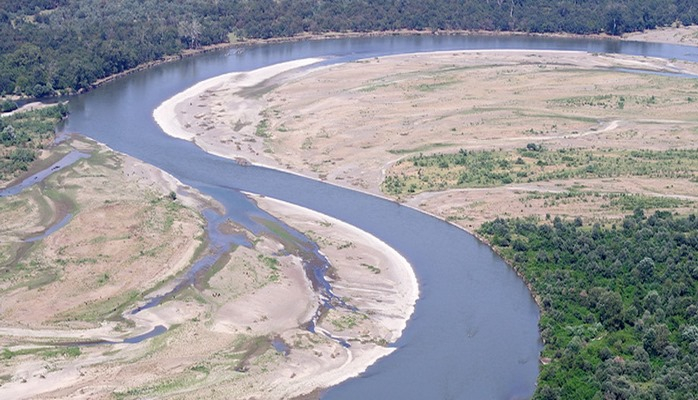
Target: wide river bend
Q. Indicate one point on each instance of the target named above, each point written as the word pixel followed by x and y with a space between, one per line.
pixel 474 332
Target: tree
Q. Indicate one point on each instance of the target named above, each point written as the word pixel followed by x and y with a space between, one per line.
pixel 645 269
pixel 190 31
pixel 609 306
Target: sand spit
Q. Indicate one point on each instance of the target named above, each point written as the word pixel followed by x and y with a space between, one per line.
pixel 372 276
pixel 365 252
pixel 684 35
pixel 189 115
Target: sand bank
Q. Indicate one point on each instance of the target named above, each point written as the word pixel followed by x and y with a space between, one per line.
pixel 363 265
pixel 350 124
pixel 188 115
pixel 684 35
pixel 91 267
pixel 372 276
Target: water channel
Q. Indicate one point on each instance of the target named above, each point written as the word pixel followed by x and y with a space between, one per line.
pixel 474 331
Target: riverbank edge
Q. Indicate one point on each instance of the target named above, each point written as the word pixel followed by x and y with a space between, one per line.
pixel 243 43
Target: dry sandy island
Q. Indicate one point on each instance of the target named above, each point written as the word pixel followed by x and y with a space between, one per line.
pixel 373 252
pixel 348 123
pixel 372 276
pixel 81 274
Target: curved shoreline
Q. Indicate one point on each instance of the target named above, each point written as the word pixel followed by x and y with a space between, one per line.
pixel 650 36
pixel 164 113
pixel 165 116
pixel 410 284
pixel 392 316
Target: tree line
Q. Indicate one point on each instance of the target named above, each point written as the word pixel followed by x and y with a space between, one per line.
pixel 619 302
pixel 61 46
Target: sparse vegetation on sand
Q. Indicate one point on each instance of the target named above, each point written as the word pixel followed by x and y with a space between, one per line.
pixel 109 252
pixel 535 163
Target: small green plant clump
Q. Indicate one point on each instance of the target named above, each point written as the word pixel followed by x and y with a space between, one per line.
pixel 273 265
pixel 262 129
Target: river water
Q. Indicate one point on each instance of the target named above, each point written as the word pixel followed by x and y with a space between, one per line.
pixel 474 331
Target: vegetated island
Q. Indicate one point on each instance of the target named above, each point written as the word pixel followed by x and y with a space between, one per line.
pixel 558 148
pixel 126 233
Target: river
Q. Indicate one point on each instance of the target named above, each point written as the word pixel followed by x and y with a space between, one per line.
pixel 474 332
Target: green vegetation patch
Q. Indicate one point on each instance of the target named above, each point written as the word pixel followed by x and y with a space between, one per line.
pixel 372 268
pixel 47 353
pixel 619 302
pixel 533 164
pixel 347 320
pixel 431 87
pixel 262 129
pixel 613 200
pixel 21 134
pixel 30 274
pixel 632 202
pixel 273 265
pixel 609 101
pixel 160 387
pixel 245 350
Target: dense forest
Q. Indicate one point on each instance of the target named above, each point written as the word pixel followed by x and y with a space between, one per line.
pixel 59 46
pixel 620 303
